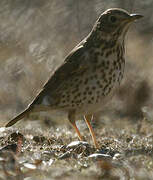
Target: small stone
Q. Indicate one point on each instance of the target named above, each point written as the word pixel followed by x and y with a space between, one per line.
pixel 117 156
pixel 98 156
pixel 30 166
pixel 76 144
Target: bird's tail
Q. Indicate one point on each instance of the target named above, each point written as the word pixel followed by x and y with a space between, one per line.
pixel 20 116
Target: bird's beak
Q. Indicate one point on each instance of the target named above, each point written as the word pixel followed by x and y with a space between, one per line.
pixel 134 17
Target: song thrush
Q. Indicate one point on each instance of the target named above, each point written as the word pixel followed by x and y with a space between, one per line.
pixel 91 72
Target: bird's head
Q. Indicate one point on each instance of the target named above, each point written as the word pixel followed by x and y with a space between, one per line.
pixel 115 22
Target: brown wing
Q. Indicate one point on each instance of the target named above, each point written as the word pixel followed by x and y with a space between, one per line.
pixel 74 64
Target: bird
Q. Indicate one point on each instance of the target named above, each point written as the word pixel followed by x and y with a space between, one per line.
pixel 90 73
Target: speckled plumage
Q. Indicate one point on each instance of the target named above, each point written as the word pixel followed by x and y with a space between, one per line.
pixel 90 73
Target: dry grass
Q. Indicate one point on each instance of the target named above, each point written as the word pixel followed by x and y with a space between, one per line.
pixel 41 154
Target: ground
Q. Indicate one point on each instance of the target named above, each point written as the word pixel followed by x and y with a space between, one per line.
pixel 39 152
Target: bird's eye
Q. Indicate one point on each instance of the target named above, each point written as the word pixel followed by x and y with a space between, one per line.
pixel 113 19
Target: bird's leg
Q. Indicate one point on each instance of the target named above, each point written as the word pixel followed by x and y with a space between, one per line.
pixel 71 117
pixel 88 118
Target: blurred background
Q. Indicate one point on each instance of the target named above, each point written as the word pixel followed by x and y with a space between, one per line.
pixel 36 35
